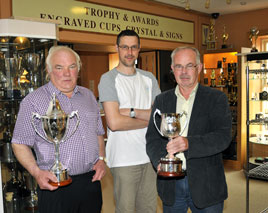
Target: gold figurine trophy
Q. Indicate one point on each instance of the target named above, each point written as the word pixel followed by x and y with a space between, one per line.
pixel 253 38
pixel 170 127
pixel 55 127
pixel 225 37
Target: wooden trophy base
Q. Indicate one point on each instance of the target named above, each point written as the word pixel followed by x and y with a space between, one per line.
pixel 31 208
pixel 61 183
pixel 171 174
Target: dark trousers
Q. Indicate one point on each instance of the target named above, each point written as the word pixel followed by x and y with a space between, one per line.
pixel 183 201
pixel 81 196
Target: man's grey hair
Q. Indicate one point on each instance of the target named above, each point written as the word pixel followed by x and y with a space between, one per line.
pixel 56 49
pixel 185 48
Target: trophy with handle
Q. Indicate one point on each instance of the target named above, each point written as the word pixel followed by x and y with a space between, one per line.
pixel 170 127
pixel 55 125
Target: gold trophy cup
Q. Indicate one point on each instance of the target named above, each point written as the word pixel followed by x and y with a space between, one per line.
pixel 55 127
pixel 170 127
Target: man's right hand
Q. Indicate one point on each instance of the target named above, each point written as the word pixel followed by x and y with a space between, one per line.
pixel 43 177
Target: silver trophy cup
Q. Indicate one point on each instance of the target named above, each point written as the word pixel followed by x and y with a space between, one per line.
pixel 170 127
pixel 55 126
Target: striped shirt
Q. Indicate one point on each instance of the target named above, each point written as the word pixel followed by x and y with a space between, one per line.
pixel 80 151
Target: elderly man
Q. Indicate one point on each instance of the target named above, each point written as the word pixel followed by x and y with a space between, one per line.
pixel 82 153
pixel 204 188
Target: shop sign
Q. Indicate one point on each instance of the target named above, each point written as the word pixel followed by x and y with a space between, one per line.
pixel 84 16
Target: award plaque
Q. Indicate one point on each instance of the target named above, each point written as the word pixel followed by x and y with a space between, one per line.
pixel 55 127
pixel 170 127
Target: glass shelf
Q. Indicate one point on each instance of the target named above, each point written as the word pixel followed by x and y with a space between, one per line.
pixel 257 140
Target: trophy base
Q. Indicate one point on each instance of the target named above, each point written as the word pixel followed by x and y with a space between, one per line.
pixel 171 174
pixel 254 50
pixel 171 167
pixel 31 208
pixel 61 183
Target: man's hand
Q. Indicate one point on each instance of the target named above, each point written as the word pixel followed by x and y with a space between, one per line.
pixel 100 169
pixel 177 144
pixel 43 177
pixel 158 167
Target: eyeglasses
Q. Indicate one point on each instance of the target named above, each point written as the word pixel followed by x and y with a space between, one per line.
pixel 133 48
pixel 188 67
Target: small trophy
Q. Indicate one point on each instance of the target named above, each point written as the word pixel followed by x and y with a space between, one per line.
pixel 211 42
pixel 225 37
pixel 55 127
pixel 170 127
pixel 31 185
pixel 253 38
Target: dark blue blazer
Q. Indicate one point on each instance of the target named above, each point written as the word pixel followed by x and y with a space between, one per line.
pixel 209 134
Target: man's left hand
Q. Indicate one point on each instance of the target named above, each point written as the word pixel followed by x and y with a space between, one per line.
pixel 177 144
pixel 100 169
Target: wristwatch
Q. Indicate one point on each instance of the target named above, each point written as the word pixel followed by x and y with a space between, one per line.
pixel 102 158
pixel 132 113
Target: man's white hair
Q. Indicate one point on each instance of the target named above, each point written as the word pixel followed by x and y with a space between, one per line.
pixel 56 49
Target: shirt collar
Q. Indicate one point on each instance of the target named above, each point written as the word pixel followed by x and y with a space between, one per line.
pixel 52 89
pixel 178 93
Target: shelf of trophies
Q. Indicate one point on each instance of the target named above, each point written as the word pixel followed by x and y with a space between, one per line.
pixel 23 47
pixel 221 72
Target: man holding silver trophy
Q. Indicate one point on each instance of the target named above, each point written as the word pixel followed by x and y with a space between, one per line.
pixel 200 185
pixel 61 122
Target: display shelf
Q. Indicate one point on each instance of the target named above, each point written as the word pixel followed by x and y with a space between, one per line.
pixel 221 72
pixel 23 47
pixel 256 127
pixel 257 140
pixel 259 172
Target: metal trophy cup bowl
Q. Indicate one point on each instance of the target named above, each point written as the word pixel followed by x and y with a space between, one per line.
pixel 170 127
pixel 55 125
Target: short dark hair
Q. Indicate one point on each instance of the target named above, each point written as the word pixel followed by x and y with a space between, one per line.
pixel 127 33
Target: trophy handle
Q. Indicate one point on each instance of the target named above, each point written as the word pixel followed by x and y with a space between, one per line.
pixel 37 116
pixel 157 111
pixel 73 114
pixel 186 123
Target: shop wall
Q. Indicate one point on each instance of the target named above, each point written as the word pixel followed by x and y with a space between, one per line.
pixel 150 8
pixel 134 5
pixel 5 8
pixel 238 26
pixel 93 66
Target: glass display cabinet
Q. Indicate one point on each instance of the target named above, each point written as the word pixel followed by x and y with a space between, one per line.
pixel 256 167
pixel 221 72
pixel 23 48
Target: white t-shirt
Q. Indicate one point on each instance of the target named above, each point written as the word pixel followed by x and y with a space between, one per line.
pixel 127 148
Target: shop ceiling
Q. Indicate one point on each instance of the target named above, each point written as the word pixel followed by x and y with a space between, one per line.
pixel 218 6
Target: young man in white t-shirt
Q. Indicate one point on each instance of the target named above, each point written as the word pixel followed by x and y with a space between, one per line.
pixel 127 94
